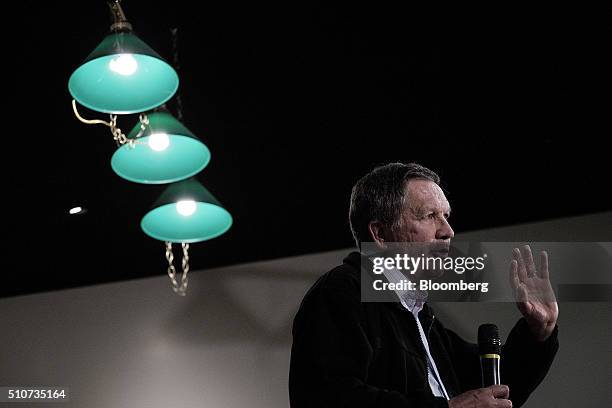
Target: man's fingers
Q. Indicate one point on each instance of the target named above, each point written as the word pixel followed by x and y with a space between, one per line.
pixel 517 279
pixel 544 265
pixel 502 403
pixel 522 274
pixel 528 258
pixel 514 279
pixel 499 390
pixel 501 394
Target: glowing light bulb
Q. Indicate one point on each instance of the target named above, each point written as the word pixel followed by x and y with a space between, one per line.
pixel 124 64
pixel 75 210
pixel 159 141
pixel 186 207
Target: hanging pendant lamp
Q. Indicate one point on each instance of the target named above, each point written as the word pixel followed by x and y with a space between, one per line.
pixel 164 151
pixel 123 74
pixel 186 212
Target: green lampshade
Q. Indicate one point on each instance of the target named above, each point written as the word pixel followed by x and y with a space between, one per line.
pixel 186 212
pixel 123 75
pixel 166 152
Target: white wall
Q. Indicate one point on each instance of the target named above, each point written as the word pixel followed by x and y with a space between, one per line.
pixel 137 344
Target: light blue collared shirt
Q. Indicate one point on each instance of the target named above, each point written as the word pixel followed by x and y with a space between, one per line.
pixel 413 301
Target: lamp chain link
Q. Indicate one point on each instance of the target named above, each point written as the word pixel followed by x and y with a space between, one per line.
pixel 144 123
pixel 178 288
pixel 118 135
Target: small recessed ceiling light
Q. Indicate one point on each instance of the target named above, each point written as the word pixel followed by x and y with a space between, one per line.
pixel 76 210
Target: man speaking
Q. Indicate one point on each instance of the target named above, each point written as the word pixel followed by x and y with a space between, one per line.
pixel 349 354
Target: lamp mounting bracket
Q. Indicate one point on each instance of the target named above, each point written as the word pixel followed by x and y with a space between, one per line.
pixel 120 23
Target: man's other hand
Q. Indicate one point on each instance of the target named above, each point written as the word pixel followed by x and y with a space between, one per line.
pixel 534 295
pixel 495 396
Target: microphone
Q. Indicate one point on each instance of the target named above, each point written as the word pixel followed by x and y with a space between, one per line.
pixel 489 348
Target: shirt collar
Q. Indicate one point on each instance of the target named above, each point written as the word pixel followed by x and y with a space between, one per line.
pixel 412 300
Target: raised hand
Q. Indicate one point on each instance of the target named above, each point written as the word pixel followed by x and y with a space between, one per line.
pixel 534 295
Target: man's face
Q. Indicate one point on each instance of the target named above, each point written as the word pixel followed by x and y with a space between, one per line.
pixel 425 216
pixel 424 221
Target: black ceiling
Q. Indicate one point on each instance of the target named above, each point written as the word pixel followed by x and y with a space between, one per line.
pixel 296 101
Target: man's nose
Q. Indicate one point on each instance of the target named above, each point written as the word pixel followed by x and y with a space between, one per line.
pixel 444 231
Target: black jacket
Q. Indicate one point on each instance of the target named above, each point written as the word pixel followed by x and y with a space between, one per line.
pixel 351 354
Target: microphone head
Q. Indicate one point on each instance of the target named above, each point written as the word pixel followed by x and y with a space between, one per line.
pixel 488 339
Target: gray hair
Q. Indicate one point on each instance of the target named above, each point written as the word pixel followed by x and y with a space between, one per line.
pixel 379 196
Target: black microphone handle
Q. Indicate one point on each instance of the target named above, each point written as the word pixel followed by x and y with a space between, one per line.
pixel 489 368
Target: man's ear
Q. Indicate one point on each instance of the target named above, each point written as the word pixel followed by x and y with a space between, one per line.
pixel 378 233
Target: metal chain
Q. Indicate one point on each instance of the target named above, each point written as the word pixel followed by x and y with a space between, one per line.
pixel 144 123
pixel 178 288
pixel 185 263
pixel 118 135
